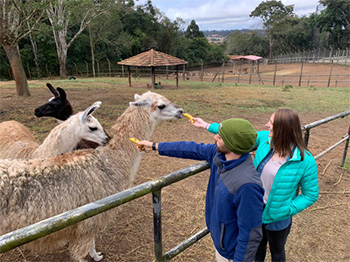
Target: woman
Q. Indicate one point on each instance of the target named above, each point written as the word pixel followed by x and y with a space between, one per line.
pixel 284 164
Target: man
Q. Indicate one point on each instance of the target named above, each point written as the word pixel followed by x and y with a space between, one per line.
pixel 234 200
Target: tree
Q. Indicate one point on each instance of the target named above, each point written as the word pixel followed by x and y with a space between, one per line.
pixel 14 18
pixel 247 43
pixel 275 16
pixel 334 23
pixel 193 31
pixel 63 15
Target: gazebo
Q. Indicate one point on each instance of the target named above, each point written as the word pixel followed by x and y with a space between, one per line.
pixel 153 59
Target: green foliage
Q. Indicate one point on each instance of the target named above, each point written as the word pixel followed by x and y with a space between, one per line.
pixel 287 88
pixel 334 23
pixel 247 43
pixel 193 31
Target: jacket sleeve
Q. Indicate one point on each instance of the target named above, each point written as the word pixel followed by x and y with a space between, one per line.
pixel 309 189
pixel 214 128
pixel 187 150
pixel 249 201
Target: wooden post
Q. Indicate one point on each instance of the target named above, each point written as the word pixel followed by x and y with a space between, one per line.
pixel 129 74
pixel 29 74
pixel 301 72
pixel 330 74
pixel 47 70
pixel 346 57
pixel 10 75
pixel 87 69
pixel 76 69
pixel 167 73
pixel 98 68
pixel 177 76
pixel 153 77
pixel 183 73
pixel 250 72
pixel 123 71
pixel 202 71
pixel 109 67
pixel 274 75
pixel 223 71
pixel 336 81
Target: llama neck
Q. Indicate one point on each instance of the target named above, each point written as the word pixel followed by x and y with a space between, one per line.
pixel 134 122
pixel 63 138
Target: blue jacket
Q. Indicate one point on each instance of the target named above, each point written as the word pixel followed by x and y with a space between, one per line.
pixel 234 200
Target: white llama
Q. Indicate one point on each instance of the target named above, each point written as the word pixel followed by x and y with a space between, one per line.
pixel 17 142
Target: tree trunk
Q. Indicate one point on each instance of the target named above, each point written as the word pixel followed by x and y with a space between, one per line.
pixel 62 51
pixel 92 52
pixel 12 52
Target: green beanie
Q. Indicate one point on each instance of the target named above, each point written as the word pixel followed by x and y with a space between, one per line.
pixel 238 135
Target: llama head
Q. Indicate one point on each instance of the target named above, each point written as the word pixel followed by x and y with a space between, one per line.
pixel 90 128
pixel 161 108
pixel 57 106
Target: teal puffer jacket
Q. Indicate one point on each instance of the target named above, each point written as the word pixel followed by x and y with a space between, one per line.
pixel 283 201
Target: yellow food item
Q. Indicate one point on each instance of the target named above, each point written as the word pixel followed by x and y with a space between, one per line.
pixel 189 117
pixel 134 140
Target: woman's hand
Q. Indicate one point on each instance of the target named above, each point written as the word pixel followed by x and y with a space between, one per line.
pixel 199 122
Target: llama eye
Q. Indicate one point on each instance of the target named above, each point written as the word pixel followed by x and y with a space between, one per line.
pixel 93 128
pixel 161 107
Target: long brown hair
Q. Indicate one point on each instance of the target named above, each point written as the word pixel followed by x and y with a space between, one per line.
pixel 287 131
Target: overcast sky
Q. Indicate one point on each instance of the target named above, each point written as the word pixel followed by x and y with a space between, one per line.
pixel 222 14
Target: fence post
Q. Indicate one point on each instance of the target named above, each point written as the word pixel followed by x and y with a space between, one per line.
pixel 250 72
pixel 301 72
pixel 202 71
pixel 346 148
pixel 157 224
pixel 330 74
pixel 183 73
pixel 307 136
pixel 274 75
pixel 47 70
pixel 346 55
pixel 109 67
pixel 29 74
pixel 87 69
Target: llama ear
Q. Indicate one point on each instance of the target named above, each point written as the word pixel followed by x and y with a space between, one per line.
pixel 136 96
pixel 84 117
pixel 52 89
pixel 62 93
pixel 144 102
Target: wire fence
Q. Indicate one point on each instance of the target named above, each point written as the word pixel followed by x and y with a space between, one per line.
pixel 320 55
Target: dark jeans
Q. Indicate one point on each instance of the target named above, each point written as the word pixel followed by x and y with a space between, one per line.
pixel 277 241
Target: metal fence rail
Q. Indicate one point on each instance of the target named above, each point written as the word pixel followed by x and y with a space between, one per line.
pixel 53 224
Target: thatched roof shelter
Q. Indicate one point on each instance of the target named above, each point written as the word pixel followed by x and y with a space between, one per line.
pixel 153 59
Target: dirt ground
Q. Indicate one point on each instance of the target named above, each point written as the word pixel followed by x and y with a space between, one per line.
pixel 320 233
pixel 308 74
